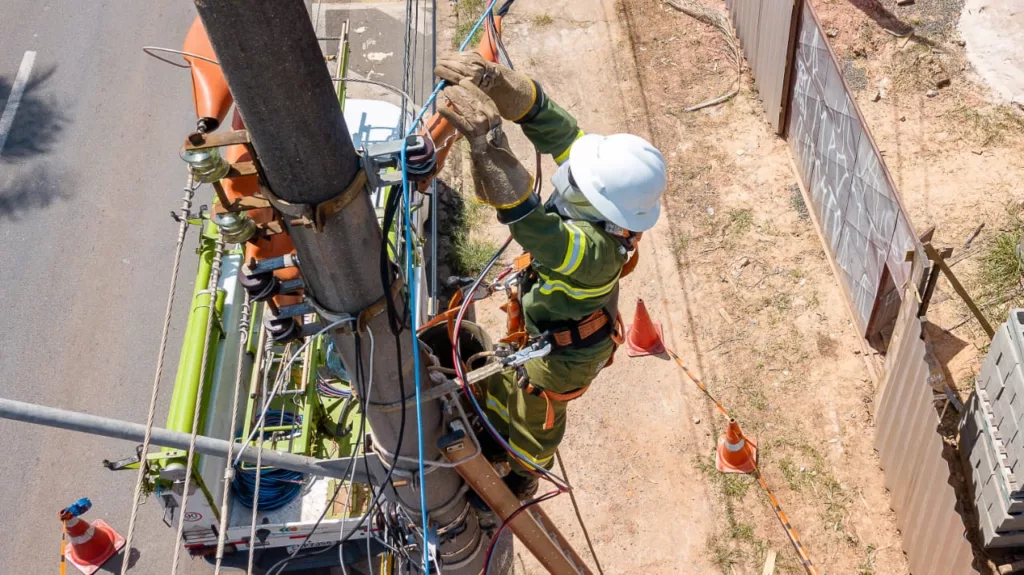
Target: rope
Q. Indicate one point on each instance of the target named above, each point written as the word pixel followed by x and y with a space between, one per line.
pixel 256 495
pixel 264 368
pixel 805 559
pixel 186 206
pixel 190 459
pixel 229 471
pixel 579 516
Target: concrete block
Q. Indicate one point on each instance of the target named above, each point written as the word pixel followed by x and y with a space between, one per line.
pixel 997 508
pixel 996 429
pixel 986 457
pixel 1015 323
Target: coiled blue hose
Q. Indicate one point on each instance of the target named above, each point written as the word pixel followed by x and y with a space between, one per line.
pixel 278 487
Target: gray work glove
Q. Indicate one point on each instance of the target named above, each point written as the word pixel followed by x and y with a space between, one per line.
pixel 513 92
pixel 501 180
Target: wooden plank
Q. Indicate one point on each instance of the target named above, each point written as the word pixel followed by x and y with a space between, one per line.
pixel 937 258
pixel 769 563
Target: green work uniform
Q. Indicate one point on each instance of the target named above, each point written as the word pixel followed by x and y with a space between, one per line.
pixel 577 267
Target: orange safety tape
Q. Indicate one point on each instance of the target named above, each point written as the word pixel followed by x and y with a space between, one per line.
pixel 699 383
pixel 805 559
pixel 63 549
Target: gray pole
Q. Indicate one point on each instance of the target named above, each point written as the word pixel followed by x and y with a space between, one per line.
pixel 273 64
pixel 117 429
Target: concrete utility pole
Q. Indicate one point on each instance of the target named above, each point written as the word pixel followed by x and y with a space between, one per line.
pixel 277 75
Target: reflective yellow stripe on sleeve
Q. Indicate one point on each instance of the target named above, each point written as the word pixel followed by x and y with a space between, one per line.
pixel 551 285
pixel 537 462
pixel 574 252
pixel 560 158
pixel 492 402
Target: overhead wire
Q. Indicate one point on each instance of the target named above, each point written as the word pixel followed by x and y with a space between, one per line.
pixel 279 380
pixel 229 472
pixel 211 314
pixel 256 491
pixel 191 186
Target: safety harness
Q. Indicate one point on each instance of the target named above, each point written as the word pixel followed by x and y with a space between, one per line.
pixel 595 328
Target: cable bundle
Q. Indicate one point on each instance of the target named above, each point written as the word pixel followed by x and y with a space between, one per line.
pixel 278 487
pixel 337 370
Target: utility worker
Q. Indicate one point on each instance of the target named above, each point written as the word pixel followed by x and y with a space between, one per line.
pixel 607 191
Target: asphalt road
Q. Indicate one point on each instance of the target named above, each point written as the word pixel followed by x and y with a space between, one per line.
pixel 88 175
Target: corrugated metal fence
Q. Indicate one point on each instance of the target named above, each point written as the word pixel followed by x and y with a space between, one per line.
pixel 910 450
pixel 765 30
pixel 867 232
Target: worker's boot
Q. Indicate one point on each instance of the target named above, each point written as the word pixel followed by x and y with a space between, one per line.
pixel 524 487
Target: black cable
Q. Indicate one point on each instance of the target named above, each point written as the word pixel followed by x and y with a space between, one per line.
pixel 390 210
pixel 330 502
pixel 579 515
pixel 516 513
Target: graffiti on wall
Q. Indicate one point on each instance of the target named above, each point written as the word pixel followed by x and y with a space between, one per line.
pixel 837 163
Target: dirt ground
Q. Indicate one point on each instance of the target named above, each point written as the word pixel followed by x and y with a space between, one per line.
pixel 736 274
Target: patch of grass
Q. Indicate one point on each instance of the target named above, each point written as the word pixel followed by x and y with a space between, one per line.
pixel 740 221
pixel 732 486
pixel 467 13
pixel 791 473
pixel 813 302
pixel 986 126
pixel 1000 265
pixel 722 553
pixel 742 532
pixel 680 243
pixel 758 400
pixel 472 255
pixel 867 566
pixel 542 20
pixel 797 274
pixel 781 302
pixel 796 201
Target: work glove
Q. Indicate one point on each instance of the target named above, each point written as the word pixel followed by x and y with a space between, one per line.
pixel 501 180
pixel 514 93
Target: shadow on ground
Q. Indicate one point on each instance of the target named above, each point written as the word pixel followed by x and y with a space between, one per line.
pixel 40 120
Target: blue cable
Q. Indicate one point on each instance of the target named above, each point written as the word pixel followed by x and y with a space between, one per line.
pixel 407 216
pixel 278 487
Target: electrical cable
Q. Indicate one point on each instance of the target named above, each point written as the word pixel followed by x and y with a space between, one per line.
pixel 279 486
pixel 211 291
pixel 243 341
pixel 279 380
pixel 188 193
pixel 330 501
pixel 516 513
pixel 579 516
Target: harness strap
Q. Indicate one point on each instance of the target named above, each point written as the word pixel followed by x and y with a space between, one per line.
pixel 549 396
pixel 588 331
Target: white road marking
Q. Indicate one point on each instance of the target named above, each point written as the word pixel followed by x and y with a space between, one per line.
pixel 14 100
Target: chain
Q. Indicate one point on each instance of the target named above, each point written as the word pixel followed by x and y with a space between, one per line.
pixel 186 207
pixel 190 459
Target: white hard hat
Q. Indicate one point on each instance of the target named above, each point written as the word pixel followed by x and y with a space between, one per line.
pixel 622 176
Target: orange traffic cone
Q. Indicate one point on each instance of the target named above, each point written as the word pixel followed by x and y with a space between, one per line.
pixel 644 336
pixel 91 545
pixel 736 453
